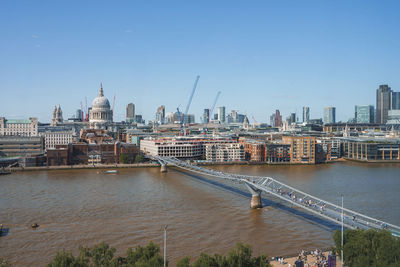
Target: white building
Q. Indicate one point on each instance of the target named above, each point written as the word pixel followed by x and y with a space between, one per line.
pixel 19 127
pixel 51 139
pixel 225 152
pixel 180 147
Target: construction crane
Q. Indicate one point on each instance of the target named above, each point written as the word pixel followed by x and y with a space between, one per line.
pixel 210 113
pixel 182 117
pixel 215 102
pixel 255 122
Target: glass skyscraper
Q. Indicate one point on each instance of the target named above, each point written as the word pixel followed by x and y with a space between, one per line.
pixel 395 100
pixel 329 115
pixel 364 114
pixel 383 103
pixel 306 114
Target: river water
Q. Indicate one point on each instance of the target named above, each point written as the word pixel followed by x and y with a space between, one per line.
pixel 85 207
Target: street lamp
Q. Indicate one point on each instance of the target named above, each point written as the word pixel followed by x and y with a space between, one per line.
pixel 342 233
pixel 165 245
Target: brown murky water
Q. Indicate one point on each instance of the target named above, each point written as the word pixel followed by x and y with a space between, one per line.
pixel 85 207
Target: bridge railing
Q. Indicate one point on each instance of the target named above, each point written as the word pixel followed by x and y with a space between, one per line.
pixel 325 209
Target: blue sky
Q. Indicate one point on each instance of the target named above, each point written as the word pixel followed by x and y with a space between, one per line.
pixel 262 55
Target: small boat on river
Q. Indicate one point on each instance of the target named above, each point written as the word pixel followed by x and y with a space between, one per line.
pixel 111 172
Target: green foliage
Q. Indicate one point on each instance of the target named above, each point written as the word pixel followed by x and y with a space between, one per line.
pixel 240 256
pixel 64 259
pixel 139 158
pixel 123 158
pixel 103 255
pixel 144 256
pixel 184 262
pixel 368 248
pixel 4 263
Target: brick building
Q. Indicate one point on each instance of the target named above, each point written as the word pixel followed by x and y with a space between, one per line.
pixel 302 148
pixel 84 153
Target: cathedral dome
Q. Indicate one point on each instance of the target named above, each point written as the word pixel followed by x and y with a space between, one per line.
pixel 100 112
pixel 101 102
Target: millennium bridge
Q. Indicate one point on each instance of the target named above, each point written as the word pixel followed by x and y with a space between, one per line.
pixel 267 185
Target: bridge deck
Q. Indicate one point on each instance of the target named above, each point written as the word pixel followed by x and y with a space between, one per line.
pixel 325 209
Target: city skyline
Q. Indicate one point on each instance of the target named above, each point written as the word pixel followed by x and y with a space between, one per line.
pixel 320 55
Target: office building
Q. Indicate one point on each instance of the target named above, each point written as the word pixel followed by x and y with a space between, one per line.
pixel 21 146
pixel 206 116
pixel 224 152
pixel 19 127
pixel 395 100
pixel 329 115
pixel 221 114
pixel 160 115
pixel 278 119
pixel 371 149
pixel 393 116
pixel 79 115
pixel 181 147
pixel 293 118
pixel 383 103
pixel 364 114
pixel 306 114
pixel 130 113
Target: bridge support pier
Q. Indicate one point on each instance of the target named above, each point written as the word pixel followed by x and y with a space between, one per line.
pixel 255 202
pixel 163 167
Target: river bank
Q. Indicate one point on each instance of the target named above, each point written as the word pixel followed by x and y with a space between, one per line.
pixel 154 165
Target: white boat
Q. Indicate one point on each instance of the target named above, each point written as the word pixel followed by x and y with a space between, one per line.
pixel 111 171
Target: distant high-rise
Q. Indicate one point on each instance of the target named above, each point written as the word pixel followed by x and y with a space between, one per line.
pixel 130 112
pixel 364 114
pixel 395 100
pixel 329 115
pixel 293 118
pixel 160 115
pixel 306 114
pixel 278 118
pixel 78 115
pixel 383 103
pixel 221 114
pixel 272 120
pixel 206 115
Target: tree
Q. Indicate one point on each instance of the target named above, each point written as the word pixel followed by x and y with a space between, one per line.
pixel 123 158
pixel 66 259
pixel 184 262
pixel 368 247
pixel 144 256
pixel 103 255
pixel 139 158
pixel 240 256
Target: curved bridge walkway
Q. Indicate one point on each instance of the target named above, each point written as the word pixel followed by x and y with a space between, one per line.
pixel 314 205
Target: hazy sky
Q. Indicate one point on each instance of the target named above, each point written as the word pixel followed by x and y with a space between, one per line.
pixel 262 55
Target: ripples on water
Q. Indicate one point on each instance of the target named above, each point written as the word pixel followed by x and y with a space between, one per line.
pixel 85 207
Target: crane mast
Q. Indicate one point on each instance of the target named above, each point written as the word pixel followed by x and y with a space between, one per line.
pixel 182 117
